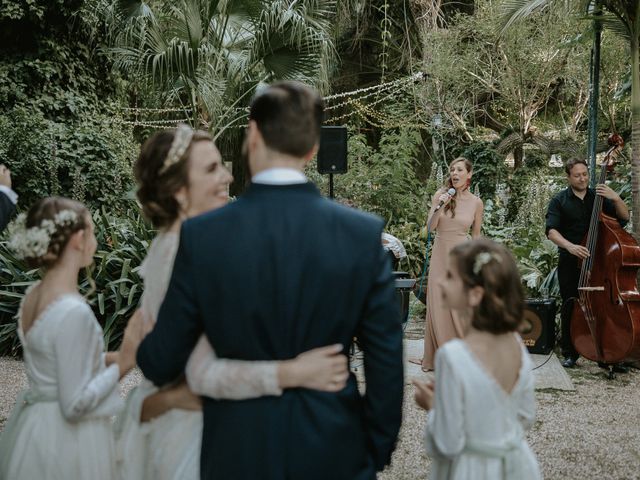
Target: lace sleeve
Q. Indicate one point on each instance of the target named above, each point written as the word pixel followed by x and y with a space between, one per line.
pixel 221 378
pixel 81 389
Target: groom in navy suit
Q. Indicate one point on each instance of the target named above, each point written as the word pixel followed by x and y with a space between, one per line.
pixel 273 274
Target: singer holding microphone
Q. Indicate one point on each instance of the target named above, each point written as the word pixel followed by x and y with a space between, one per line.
pixel 454 211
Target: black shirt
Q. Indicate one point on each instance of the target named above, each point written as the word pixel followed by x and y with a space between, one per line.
pixel 570 215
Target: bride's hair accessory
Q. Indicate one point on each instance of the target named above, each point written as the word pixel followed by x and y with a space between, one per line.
pixel 181 141
pixel 481 259
pixel 34 242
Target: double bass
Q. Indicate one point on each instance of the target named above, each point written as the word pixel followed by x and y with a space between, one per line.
pixel 605 322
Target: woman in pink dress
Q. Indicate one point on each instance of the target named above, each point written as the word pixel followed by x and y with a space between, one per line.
pixel 451 224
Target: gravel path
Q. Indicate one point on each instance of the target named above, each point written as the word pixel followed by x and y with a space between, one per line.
pixel 590 433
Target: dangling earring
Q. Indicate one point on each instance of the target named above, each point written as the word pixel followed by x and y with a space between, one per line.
pixel 468 186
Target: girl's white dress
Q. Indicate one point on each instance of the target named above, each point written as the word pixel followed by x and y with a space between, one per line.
pixel 60 427
pixel 476 429
pixel 168 447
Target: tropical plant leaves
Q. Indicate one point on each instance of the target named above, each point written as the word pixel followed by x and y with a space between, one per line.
pixel 204 54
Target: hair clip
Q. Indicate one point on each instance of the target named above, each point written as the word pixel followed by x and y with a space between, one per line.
pixel 482 259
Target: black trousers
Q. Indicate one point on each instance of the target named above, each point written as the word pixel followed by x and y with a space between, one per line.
pixel 568 277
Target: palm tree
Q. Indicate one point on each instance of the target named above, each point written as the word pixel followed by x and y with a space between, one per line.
pixel 623 18
pixel 209 56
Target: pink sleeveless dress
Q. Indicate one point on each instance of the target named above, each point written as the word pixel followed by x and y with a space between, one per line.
pixel 442 324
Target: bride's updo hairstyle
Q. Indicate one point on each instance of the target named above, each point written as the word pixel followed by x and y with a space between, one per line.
pixel 48 226
pixel 485 263
pixel 162 168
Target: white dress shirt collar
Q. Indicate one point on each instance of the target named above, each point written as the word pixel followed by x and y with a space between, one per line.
pixel 279 176
pixel 13 196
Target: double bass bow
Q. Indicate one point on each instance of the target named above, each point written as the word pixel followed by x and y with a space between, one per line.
pixel 605 323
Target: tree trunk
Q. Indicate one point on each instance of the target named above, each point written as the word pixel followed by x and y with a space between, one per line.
pixel 635 134
pixel 518 154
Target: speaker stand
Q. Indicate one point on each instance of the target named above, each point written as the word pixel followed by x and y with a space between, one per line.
pixel 331 186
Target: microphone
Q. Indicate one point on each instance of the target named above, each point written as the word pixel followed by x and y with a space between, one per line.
pixel 451 192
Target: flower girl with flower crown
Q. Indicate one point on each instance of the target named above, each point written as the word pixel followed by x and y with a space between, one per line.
pixel 60 427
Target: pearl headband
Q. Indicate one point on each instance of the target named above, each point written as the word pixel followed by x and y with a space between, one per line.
pixel 181 141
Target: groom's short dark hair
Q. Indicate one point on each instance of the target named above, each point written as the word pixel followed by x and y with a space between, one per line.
pixel 289 116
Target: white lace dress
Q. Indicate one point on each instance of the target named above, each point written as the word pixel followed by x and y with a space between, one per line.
pixel 168 447
pixel 60 427
pixel 476 429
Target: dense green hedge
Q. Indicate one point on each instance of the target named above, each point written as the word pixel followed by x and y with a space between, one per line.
pixel 58 132
pixel 90 161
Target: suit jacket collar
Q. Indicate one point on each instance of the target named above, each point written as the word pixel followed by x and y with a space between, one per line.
pixel 307 188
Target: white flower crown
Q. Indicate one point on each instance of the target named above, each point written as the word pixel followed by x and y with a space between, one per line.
pixel 181 141
pixel 482 259
pixel 34 242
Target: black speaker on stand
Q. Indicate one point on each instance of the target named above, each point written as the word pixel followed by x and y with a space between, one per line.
pixel 332 153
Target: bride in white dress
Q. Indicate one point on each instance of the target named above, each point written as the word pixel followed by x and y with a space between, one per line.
pixel 180 175
pixel 483 401
pixel 60 428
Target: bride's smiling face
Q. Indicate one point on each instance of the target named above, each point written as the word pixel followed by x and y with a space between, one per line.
pixel 209 180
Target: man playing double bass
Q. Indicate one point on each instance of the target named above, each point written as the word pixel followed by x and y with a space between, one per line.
pixel 568 218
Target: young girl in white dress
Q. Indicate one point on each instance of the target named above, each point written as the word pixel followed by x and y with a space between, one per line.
pixel 61 427
pixel 483 401
pixel 180 175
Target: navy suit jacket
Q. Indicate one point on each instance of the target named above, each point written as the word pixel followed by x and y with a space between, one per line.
pixel 280 271
pixel 6 209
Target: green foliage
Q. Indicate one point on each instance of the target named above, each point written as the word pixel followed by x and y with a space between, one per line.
pixel 35 10
pixel 531 81
pixel 122 245
pixel 520 184
pixel 89 161
pixel 208 57
pixel 51 65
pixel 537 257
pixel 382 179
pixel 57 133
pixel 538 269
pixel 376 37
pixel 489 168
pixel 56 79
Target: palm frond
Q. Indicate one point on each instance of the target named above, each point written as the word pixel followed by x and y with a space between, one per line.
pixel 188 22
pixel 213 52
pixel 518 10
pixel 617 26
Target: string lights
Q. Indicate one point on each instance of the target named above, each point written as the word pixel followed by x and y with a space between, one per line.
pixel 136 110
pixel 353 102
